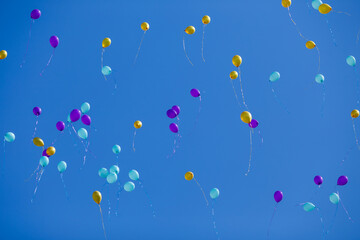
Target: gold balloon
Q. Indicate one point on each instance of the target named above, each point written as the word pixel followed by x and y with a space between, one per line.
pixel 50 151
pixel 246 117
pixel 189 176
pixel 355 113
pixel 234 75
pixel 3 54
pixel 145 26
pixel 310 44
pixel 38 142
pixel 236 60
pixel 324 8
pixel 97 197
pixel 137 124
pixel 106 42
pixel 190 30
pixel 286 3
pixel 206 19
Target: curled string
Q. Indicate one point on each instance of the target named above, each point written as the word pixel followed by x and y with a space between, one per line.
pixel 322 223
pixel 133 145
pixel 36 123
pixel 248 170
pixel 271 220
pixel 138 51
pixel 109 204
pixel 354 129
pixel 48 62
pixel 318 52
pixel 277 99
pixel 102 58
pixel 102 221
pixel 296 25
pixel 357 38
pixel 323 100
pixel 347 213
pixel 236 96
pixel 38 178
pixel 202 43
pixel 35 171
pixel 331 31
pixel 333 220
pixel 185 51
pixel 118 198
pixel 348 14
pixel 214 221
pixel 148 197
pixel 207 203
pixel 27 44
pixel 241 88
pixel 63 182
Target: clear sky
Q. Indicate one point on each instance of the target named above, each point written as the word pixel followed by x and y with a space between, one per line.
pixel 296 146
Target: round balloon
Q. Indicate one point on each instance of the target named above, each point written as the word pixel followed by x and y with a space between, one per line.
pixel 236 60
pixel 174 127
pixel 9 137
pixel 319 78
pixel 83 133
pixel 134 175
pixel 137 124
pixel 278 196
pixel 61 166
pixel 35 14
pixel 50 151
pixel 60 125
pixel 318 180
pixel 286 3
pixel 38 142
pixel 145 26
pixel 75 115
pixel 342 180
pixel 308 206
pixel 214 193
pixel 254 123
pixel 106 42
pixel 106 70
pixel 54 41
pixel 114 169
pixel 103 172
pixel 316 4
pixel 274 77
pixel 176 108
pixel 355 113
pixel 206 19
pixel 111 178
pixel 195 92
pixel 351 61
pixel 97 197
pixel 324 8
pixel 37 111
pixel 86 119
pixel 3 54
pixel 189 176
pixel 171 113
pixel 129 186
pixel 234 75
pixel 246 117
pixel 116 149
pixel 190 30
pixel 85 107
pixel 44 161
pixel 310 44
pixel 334 198
pixel 44 153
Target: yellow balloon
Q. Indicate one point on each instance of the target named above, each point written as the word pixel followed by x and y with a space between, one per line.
pixel 234 75
pixel 145 26
pixel 324 8
pixel 355 113
pixel 38 142
pixel 106 42
pixel 286 3
pixel 246 117
pixel 97 197
pixel 137 124
pixel 3 54
pixel 190 30
pixel 206 19
pixel 236 60
pixel 50 151
pixel 310 44
pixel 189 176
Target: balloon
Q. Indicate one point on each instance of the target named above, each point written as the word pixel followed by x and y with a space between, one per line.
pixel 195 92
pixel 129 186
pixel 351 61
pixel 308 207
pixel 3 54
pixel 116 149
pixel 316 4
pixel 38 142
pixel 86 119
pixel 44 153
pixel 190 30
pixel 54 41
pixel 106 70
pixel 50 151
pixel 137 124
pixel 174 127
pixel 61 166
pixel 114 169
pixel 176 108
pixel 310 44
pixel 37 111
pixel 206 19
pixel 44 161
pixel 355 113
pixel 254 123
pixel 278 196
pixel 319 78
pixel 35 14
pixel 134 175
pixel 334 198
pixel 60 125
pixel 214 193
pixel 246 117
pixel 97 197
pixel 103 172
pixel 286 3
pixel 234 75
pixel 236 60
pixel 274 77
pixel 318 180
pixel 324 8
pixel 111 178
pixel 82 133
pixel 106 42
pixel 68 119
pixel 189 176
pixel 75 115
pixel 9 137
pixel 145 26
pixel 342 180
pixel 85 107
pixel 171 113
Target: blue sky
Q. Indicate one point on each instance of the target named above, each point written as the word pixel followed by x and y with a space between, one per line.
pixel 296 147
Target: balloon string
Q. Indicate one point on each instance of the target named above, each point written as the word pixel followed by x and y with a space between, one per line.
pixel 133 145
pixel 118 198
pixel 102 58
pixel 271 220
pixel 296 26
pixel 185 51
pixel 207 203
pixel 248 170
pixel 33 173
pixel 278 100
pixel 84 145
pixel 357 38
pixel 242 92
pixel 202 43
pixel 27 44
pixel 138 51
pixel 102 221
pixel 318 51
pixel 214 220
pixel 347 213
pixel 356 138
pixel 148 198
pixel 236 96
pixel 63 182
pixel 333 220
pixel 331 32
pixel 38 178
pixel 357 86
pixel 322 223
pixel 323 100
pixel 54 141
pixel 109 204
pixel 48 62
pixel 348 14
pixel 36 123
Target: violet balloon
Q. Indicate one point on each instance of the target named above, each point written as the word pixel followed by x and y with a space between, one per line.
pixel 318 180
pixel 254 123
pixel 54 41
pixel 86 119
pixel 45 154
pixel 195 92
pixel 342 180
pixel 37 111
pixel 35 14
pixel 278 196
pixel 176 108
pixel 60 125
pixel 174 127
pixel 171 113
pixel 75 115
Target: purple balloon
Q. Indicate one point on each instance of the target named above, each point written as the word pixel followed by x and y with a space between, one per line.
pixel 342 180
pixel 176 108
pixel 174 127
pixel 60 125
pixel 195 92
pixel 86 119
pixel 318 180
pixel 54 41
pixel 45 154
pixel 35 14
pixel 75 115
pixel 171 113
pixel 37 111
pixel 253 123
pixel 278 196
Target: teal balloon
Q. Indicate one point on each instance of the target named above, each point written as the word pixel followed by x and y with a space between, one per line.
pixel 68 119
pixel 83 133
pixel 111 178
pixel 308 207
pixel 116 149
pixel 351 61
pixel 274 76
pixel 61 166
pixel 106 70
pixel 334 198
pixel 129 186
pixel 103 172
pixel 44 161
pixel 134 175
pixel 85 107
pixel 319 78
pixel 9 137
pixel 114 169
pixel 316 4
pixel 214 193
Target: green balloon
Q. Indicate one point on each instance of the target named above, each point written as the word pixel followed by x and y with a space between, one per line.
pixel 214 193
pixel 319 78
pixel 103 172
pixel 69 119
pixel 44 161
pixel 85 107
pixel 129 186
pixel 274 76
pixel 351 61
pixel 116 149
pixel 134 175
pixel 61 166
pixel 111 178
pixel 308 207
pixel 9 137
pixel 334 198
pixel 114 169
pixel 83 133
pixel 106 70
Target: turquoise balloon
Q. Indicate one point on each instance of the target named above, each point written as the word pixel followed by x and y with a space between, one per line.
pixel 44 161
pixel 308 207
pixel 316 4
pixel 116 149
pixel 114 169
pixel 103 172
pixel 83 133
pixel 9 137
pixel 351 61
pixel 68 119
pixel 134 175
pixel 319 78
pixel 274 76
pixel 106 70
pixel 334 198
pixel 129 186
pixel 61 166
pixel 85 107
pixel 214 193
pixel 111 178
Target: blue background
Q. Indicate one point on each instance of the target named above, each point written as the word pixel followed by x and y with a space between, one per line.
pixel 296 147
